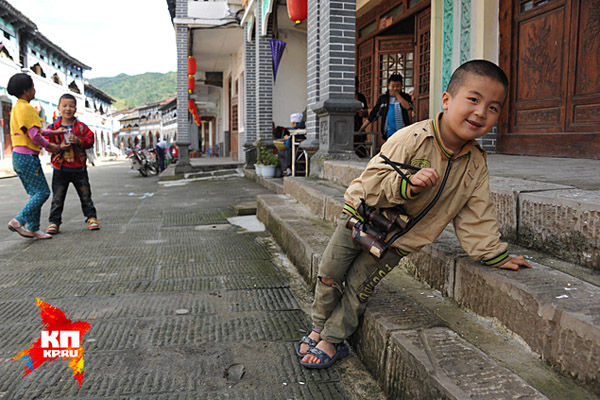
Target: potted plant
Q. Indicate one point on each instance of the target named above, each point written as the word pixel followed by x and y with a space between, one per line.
pixel 270 162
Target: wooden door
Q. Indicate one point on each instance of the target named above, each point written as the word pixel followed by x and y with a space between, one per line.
pixel 365 67
pixel 554 59
pixel 6 107
pixel 233 125
pixel 422 57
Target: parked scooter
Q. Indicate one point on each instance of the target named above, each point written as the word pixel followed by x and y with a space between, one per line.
pixel 143 161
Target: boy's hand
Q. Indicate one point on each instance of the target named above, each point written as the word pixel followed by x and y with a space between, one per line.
pixel 426 177
pixel 74 139
pixel 54 148
pixel 514 263
pixel 65 146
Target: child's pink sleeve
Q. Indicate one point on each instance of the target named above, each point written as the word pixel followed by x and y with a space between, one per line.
pixel 46 131
pixel 35 134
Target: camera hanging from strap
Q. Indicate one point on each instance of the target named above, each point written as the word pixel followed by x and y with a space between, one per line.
pixel 370 234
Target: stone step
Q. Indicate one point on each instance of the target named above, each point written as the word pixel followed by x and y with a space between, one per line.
pixel 530 303
pixel 412 351
pixel 557 219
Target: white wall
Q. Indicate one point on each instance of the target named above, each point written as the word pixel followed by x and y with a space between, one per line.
pixel 289 91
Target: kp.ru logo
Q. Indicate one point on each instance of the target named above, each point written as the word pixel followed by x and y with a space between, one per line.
pixel 60 338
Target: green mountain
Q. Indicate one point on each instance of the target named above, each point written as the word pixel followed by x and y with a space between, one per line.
pixel 133 91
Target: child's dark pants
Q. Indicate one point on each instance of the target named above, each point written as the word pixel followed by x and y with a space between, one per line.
pixel 60 184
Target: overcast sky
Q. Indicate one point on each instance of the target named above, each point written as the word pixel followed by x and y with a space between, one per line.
pixel 110 36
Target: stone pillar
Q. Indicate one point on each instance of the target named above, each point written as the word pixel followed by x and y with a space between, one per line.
pixel 336 106
pixel 264 78
pixel 311 144
pixel 183 125
pixel 250 86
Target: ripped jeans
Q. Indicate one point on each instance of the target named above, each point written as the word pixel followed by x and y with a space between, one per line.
pixel 337 308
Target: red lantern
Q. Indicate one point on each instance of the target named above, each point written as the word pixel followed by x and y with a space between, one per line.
pixel 191 83
pixel 191 104
pixel 191 65
pixel 297 10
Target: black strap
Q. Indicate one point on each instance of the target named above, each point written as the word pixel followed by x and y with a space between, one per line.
pixel 397 166
pixel 414 221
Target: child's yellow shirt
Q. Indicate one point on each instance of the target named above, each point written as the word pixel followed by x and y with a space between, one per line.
pixel 23 115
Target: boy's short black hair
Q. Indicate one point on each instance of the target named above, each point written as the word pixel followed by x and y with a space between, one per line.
pixel 478 67
pixel 396 78
pixel 67 96
pixel 18 84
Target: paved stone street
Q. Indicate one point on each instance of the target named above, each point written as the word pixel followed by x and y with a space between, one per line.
pixel 180 301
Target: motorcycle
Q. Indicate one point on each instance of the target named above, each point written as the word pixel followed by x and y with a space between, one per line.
pixel 143 161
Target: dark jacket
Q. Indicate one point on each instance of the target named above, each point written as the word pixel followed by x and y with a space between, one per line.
pixel 381 108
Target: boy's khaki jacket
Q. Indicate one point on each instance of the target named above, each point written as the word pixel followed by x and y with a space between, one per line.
pixel 465 199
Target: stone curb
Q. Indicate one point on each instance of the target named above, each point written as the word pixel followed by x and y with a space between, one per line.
pixel 399 353
pixel 550 326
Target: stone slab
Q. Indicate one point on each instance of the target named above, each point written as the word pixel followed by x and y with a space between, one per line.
pixel 437 363
pixel 556 314
pixel 563 223
pixel 244 208
pixel 505 194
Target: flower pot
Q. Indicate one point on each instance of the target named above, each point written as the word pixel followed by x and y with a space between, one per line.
pixel 258 168
pixel 268 171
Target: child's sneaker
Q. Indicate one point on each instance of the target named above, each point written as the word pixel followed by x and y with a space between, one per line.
pixel 93 224
pixel 52 229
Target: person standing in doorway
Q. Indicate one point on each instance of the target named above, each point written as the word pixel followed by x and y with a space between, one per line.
pixel 393 107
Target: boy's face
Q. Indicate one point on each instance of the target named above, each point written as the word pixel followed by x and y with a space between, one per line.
pixel 474 109
pixel 67 108
pixel 395 87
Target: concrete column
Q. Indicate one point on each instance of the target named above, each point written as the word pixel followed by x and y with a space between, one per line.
pixel 183 126
pixel 249 92
pixel 336 106
pixel 263 78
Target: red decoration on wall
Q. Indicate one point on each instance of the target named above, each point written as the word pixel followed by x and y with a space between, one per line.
pixel 191 65
pixel 191 83
pixel 297 10
pixel 191 104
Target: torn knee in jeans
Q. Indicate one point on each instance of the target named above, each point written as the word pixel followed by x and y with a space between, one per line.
pixel 326 281
pixel 331 283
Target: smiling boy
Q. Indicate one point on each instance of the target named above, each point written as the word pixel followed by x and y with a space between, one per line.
pixel 430 173
pixel 69 166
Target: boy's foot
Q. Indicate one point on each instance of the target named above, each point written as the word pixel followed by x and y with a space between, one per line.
pixel 93 224
pixel 15 226
pixel 41 235
pixel 52 229
pixel 304 345
pixel 324 355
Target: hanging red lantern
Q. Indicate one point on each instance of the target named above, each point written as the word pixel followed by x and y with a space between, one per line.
pixel 297 10
pixel 191 84
pixel 191 104
pixel 191 65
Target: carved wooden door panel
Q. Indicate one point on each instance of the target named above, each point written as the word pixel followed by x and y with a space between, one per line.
pixel 539 84
pixel 233 123
pixel 554 58
pixel 583 102
pixel 6 107
pixel 422 56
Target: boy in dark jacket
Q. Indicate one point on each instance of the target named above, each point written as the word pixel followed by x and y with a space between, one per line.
pixel 393 107
pixel 70 165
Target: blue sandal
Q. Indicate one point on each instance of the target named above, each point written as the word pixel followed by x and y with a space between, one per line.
pixel 308 341
pixel 341 351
